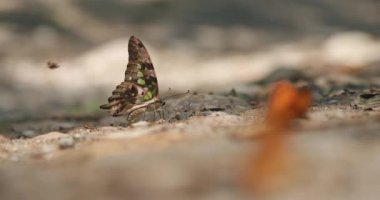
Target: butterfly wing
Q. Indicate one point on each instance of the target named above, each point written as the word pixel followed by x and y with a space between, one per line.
pixel 140 87
pixel 140 69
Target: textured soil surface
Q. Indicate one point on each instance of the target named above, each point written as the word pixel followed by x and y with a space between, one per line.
pixel 198 150
pixel 55 142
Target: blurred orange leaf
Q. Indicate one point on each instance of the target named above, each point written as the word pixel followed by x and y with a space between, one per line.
pixel 269 168
pixel 286 103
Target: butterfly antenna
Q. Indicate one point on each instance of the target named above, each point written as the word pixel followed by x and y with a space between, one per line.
pixel 176 95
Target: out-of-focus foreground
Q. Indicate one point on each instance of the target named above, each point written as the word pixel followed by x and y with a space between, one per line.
pixel 60 60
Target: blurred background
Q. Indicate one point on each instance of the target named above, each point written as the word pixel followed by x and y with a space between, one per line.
pixel 213 45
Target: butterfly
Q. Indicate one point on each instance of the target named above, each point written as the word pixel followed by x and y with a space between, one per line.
pixel 139 88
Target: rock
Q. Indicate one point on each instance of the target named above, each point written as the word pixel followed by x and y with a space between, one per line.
pixel 28 133
pixel 65 143
pixel 43 151
pixel 50 136
pixel 367 101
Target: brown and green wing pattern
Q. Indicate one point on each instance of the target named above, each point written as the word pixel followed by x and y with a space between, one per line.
pixel 140 69
pixel 122 99
pixel 140 85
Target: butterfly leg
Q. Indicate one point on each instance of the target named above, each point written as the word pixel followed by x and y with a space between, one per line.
pixel 162 107
pixel 162 114
pixel 158 111
pixel 154 114
pixel 144 118
pixel 128 117
pixel 155 111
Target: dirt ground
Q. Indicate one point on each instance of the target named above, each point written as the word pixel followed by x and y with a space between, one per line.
pixel 55 142
pixel 197 151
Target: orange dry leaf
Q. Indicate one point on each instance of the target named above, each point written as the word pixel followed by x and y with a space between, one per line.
pixel 286 103
pixel 268 169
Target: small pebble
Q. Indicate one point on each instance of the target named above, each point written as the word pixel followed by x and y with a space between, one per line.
pixel 66 143
pixel 50 136
pixel 78 137
pixel 28 133
pixel 141 124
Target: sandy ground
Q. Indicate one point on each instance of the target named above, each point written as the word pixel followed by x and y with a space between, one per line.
pixel 56 144
pixel 198 153
pixel 187 160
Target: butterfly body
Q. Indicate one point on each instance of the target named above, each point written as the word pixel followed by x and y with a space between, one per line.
pixel 139 88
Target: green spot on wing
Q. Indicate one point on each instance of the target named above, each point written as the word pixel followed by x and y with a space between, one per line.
pixel 141 81
pixel 148 96
pixel 140 74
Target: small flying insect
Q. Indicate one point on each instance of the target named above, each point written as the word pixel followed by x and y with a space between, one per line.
pixel 52 65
